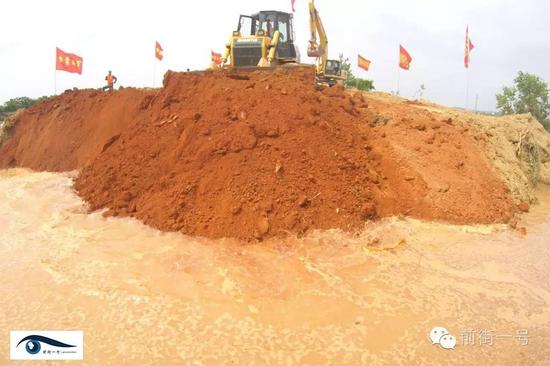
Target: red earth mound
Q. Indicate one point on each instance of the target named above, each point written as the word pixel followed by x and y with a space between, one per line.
pixel 259 154
pixel 68 131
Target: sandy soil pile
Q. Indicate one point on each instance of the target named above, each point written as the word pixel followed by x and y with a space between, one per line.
pixel 517 145
pixel 7 125
pixel 259 154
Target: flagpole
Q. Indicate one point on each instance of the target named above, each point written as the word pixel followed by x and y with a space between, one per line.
pixel 398 77
pixel 468 46
pixel 467 86
pixel 399 71
pixel 55 75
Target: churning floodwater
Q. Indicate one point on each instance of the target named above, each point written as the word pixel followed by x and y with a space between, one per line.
pixel 143 297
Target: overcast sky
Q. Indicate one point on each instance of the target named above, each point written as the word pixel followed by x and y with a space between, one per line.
pixel 509 35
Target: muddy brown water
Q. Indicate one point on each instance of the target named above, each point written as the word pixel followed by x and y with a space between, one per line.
pixel 143 297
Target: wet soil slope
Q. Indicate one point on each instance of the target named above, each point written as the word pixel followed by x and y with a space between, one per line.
pixel 258 154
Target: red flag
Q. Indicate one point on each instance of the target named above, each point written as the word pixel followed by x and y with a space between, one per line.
pixel 404 58
pixel 68 62
pixel 363 63
pixel 292 3
pixel 158 51
pixel 468 47
pixel 216 58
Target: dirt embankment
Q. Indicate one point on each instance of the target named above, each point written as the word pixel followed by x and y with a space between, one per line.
pixel 517 146
pixel 68 131
pixel 260 154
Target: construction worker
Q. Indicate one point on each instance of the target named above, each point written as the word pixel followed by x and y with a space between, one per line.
pixel 270 28
pixel 111 80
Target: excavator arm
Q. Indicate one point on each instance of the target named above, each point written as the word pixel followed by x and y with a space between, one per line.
pixel 227 51
pixel 317 49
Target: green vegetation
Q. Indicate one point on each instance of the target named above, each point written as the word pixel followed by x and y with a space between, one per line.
pixel 351 81
pixel 8 118
pixel 14 104
pixel 528 95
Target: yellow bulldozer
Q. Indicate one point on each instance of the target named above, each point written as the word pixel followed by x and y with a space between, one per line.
pixel 266 39
pixel 261 40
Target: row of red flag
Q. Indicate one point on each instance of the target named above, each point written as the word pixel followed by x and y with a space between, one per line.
pixel 70 62
pixel 73 63
pixel 405 58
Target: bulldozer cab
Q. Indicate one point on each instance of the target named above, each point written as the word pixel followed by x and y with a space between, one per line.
pixel 264 24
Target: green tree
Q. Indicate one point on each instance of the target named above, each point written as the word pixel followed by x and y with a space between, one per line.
pixel 528 95
pixel 17 103
pixel 351 81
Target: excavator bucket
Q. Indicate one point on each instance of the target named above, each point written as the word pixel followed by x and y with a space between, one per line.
pixel 263 62
pixel 313 51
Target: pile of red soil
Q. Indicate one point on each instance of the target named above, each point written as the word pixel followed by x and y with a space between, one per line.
pixel 258 154
pixel 67 132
